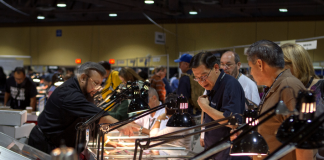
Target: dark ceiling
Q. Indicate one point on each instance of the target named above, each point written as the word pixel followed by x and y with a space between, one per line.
pixel 77 12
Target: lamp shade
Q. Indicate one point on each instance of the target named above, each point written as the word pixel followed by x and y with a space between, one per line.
pixel 306 106
pixel 181 120
pixel 251 144
pixel 292 125
pixel 137 105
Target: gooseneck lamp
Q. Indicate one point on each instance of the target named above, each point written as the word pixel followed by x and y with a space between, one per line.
pixel 181 118
pixel 303 130
pixel 253 143
pixel 278 108
pixel 306 105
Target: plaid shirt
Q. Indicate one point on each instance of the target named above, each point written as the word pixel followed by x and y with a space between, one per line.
pixel 159 86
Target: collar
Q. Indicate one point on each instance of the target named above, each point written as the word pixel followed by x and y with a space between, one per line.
pixel 189 71
pixel 286 73
pixel 218 81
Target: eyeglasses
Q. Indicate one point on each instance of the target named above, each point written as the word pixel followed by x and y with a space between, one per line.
pixel 226 65
pixel 96 86
pixel 202 78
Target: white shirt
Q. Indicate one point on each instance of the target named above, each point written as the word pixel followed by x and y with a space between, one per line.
pixel 250 89
pixel 148 121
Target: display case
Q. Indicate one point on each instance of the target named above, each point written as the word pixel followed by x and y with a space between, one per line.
pixel 11 149
pixel 165 151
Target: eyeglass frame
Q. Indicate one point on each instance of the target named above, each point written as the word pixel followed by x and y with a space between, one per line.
pixel 203 78
pixel 226 65
pixel 96 86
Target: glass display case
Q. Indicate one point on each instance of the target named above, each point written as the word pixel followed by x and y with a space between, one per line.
pixel 126 151
pixel 11 149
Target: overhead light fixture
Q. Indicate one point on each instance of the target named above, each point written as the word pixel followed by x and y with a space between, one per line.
pixel 113 15
pixel 149 2
pixel 61 4
pixel 283 9
pixel 40 17
pixel 193 12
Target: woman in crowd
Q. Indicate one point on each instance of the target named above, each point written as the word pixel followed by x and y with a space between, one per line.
pixel 298 61
pixel 128 74
pixel 125 74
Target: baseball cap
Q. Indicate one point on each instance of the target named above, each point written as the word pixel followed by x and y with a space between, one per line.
pixel 184 58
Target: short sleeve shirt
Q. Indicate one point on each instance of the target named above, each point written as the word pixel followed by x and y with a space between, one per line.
pixel 227 96
pixel 20 94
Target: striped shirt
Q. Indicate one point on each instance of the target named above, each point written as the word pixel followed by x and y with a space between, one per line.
pixel 159 86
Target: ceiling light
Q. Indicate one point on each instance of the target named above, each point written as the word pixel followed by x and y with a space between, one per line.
pixel 40 17
pixel 283 9
pixel 61 5
pixel 113 15
pixel 149 2
pixel 193 12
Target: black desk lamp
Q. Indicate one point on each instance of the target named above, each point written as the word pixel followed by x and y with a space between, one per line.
pixel 279 108
pixel 299 131
pixel 253 143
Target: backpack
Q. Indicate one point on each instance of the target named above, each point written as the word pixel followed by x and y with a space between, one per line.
pixel 196 91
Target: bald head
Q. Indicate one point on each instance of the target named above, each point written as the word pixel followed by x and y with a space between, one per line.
pixel 230 63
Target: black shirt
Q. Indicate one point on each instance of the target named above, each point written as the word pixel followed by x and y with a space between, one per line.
pixel 66 107
pixel 20 94
pixel 227 96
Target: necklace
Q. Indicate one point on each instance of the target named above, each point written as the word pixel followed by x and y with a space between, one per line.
pixel 265 95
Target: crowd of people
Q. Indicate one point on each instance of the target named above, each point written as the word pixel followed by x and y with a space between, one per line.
pixel 214 87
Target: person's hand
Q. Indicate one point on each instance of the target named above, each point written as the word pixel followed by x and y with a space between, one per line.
pixel 128 129
pixel 233 137
pixel 162 117
pixel 114 144
pixel 202 142
pixel 203 101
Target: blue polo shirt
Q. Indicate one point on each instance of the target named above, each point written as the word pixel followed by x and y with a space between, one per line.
pixel 227 96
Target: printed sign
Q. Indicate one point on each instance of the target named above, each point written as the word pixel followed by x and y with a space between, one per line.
pixel 159 38
pixel 308 45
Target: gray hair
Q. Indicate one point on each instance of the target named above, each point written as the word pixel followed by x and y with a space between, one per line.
pixel 86 67
pixel 268 52
pixel 152 92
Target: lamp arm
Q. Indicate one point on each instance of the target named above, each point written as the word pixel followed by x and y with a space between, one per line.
pixel 236 131
pixel 306 131
pixel 190 128
pixel 168 138
pixel 106 107
pixel 173 138
pixel 135 117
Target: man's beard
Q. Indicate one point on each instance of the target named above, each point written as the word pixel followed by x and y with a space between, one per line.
pixel 235 72
pixel 86 94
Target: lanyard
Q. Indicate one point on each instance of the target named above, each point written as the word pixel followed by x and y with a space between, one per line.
pixel 265 95
pixel 238 76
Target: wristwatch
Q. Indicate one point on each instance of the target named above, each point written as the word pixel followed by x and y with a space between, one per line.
pixel 158 120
